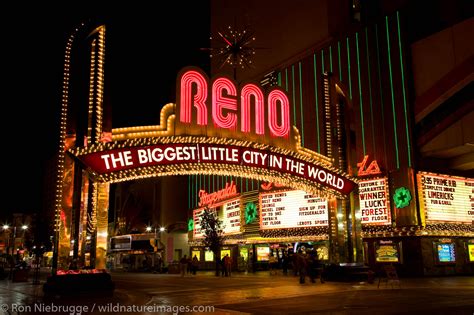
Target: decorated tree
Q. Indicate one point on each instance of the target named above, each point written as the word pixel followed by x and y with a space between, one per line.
pixel 213 231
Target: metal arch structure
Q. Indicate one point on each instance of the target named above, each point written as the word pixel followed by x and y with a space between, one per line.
pixel 234 157
pixel 86 169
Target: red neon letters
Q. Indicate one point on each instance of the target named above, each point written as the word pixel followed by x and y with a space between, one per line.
pixel 220 102
pixel 228 106
pixel 248 91
pixel 206 199
pixel 373 168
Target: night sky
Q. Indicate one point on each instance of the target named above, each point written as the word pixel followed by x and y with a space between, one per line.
pixel 145 48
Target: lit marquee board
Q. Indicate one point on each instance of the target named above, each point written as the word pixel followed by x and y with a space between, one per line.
pixel 231 216
pixel 228 212
pixel 197 231
pixel 374 203
pixel 446 198
pixel 292 209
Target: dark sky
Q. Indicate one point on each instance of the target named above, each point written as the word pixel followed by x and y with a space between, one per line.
pixel 146 45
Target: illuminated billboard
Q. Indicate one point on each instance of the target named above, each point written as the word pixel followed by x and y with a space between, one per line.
pixel 387 251
pixel 374 202
pixel 231 216
pixel 446 252
pixel 470 249
pixel 263 253
pixel 197 230
pixel 446 198
pixel 228 212
pixel 292 209
pixel 163 155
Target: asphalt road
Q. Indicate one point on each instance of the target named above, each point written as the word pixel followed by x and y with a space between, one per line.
pixel 259 293
pixel 278 294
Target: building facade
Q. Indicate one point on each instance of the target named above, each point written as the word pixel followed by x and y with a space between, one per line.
pixel 398 96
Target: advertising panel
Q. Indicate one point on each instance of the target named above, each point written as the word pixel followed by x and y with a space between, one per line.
pixel 122 159
pixel 292 209
pixel 446 252
pixel 231 216
pixel 225 252
pixel 387 252
pixel 197 230
pixel 208 255
pixel 228 212
pixel 470 249
pixel 263 253
pixel 374 203
pixel 197 254
pixel 446 198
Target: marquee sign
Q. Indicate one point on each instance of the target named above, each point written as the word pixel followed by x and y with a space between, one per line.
pixel 228 212
pixel 166 154
pixel 446 198
pixel 292 209
pixel 221 128
pixel 374 202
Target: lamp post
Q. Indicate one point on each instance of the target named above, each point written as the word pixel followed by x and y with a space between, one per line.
pixel 6 229
pixel 12 237
pixel 156 241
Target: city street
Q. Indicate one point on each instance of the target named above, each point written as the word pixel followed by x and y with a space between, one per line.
pixel 264 294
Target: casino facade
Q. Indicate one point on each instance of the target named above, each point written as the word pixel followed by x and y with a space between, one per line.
pixel 338 149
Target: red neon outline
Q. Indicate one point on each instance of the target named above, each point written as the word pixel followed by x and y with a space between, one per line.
pixel 199 100
pixel 247 91
pixel 220 102
pixel 372 169
pixel 282 130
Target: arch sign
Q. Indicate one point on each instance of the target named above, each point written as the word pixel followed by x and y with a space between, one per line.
pixel 217 127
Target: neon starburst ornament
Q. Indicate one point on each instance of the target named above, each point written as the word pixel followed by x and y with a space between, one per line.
pixel 234 48
pixel 402 197
pixel 250 213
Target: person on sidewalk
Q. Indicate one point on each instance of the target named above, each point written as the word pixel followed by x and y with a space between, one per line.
pixel 194 265
pixel 311 264
pixel 284 264
pixel 227 265
pixel 273 263
pixel 301 265
pixel 183 265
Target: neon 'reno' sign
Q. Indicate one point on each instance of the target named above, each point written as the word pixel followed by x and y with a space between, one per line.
pixel 244 109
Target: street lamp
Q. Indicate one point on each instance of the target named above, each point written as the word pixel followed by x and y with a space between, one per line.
pixel 6 229
pixel 156 240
